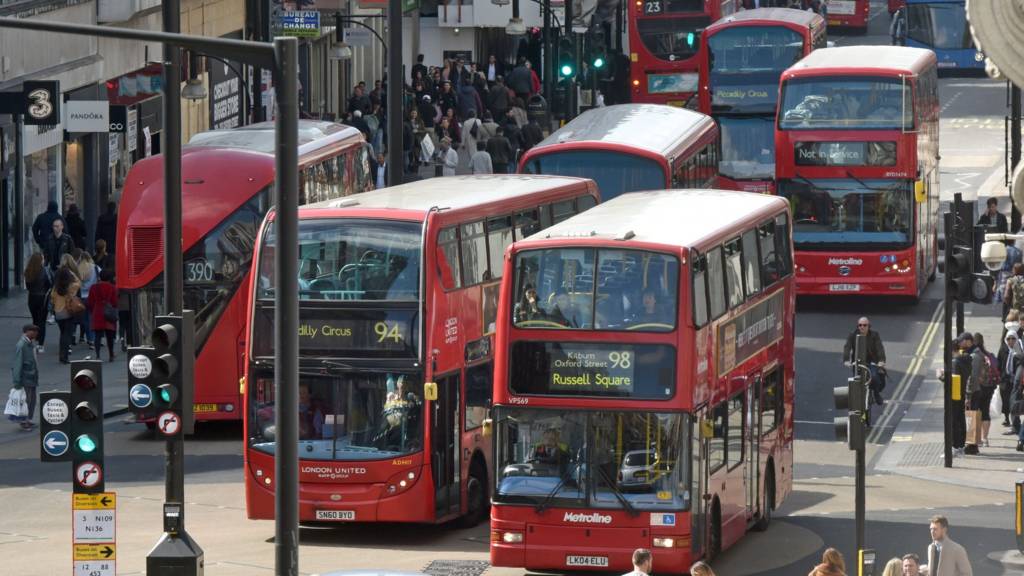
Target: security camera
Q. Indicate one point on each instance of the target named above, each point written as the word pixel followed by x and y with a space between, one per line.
pixel 993 255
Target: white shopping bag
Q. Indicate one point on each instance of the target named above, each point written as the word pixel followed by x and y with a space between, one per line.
pixel 17 407
pixel 995 408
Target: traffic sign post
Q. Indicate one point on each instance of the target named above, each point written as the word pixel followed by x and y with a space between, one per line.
pixel 94 546
pixel 55 426
pixel 86 425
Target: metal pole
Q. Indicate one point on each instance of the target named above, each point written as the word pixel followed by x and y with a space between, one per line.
pixel 861 351
pixel 549 56
pixel 1015 218
pixel 286 308
pixel 947 353
pixel 19 197
pixel 958 213
pixel 570 83
pixel 395 88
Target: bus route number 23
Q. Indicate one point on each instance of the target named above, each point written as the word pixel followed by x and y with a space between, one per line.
pixel 386 331
pixel 652 7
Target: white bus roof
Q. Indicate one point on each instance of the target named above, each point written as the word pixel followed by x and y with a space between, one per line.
pixel 867 58
pixel 762 16
pixel 452 192
pixel 653 127
pixel 671 217
pixel 259 137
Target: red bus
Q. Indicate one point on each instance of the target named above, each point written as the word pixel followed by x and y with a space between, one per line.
pixel 221 213
pixel 398 300
pixel 643 382
pixel 857 155
pixel 630 147
pixel 664 40
pixel 849 14
pixel 742 57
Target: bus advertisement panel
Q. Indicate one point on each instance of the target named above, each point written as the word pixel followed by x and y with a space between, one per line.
pixel 643 383
pixel 857 146
pixel 221 213
pixel 664 41
pixel 398 301
pixel 742 57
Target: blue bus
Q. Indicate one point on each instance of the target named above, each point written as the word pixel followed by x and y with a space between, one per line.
pixel 941 26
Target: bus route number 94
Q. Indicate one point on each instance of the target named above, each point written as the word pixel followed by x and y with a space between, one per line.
pixel 386 331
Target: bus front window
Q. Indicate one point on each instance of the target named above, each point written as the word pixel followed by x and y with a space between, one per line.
pixel 748 147
pixel 614 172
pixel 673 38
pixel 831 213
pixel 940 25
pixel 604 459
pixel 851 103
pixel 745 64
pixel 345 417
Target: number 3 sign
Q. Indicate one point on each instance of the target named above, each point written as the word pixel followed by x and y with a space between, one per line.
pixel 41 103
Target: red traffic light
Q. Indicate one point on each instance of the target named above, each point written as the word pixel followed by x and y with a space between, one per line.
pixel 85 380
pixel 85 411
pixel 164 336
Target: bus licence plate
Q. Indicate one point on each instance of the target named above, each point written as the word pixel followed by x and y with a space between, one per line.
pixel 598 561
pixel 204 407
pixel 335 514
pixel 844 287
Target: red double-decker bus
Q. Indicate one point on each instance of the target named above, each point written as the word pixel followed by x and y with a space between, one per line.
pixel 857 151
pixel 398 300
pixel 630 147
pixel 849 14
pixel 664 40
pixel 227 177
pixel 643 382
pixel 742 57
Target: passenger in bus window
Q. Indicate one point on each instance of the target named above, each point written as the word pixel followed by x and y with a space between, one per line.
pixel 527 308
pixel 649 311
pixel 560 309
pixel 311 415
pixel 401 416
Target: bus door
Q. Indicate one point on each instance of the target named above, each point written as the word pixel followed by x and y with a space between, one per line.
pixel 699 500
pixel 444 446
pixel 751 475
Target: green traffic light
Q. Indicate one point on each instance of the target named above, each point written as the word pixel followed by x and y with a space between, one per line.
pixel 598 62
pixel 566 70
pixel 165 395
pixel 690 37
pixel 85 444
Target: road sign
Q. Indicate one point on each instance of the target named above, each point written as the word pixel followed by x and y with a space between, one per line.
pixel 55 411
pixel 94 518
pixel 94 568
pixel 95 525
pixel 98 501
pixel 168 423
pixel 140 366
pixel 88 474
pixel 96 551
pixel 55 443
pixel 141 396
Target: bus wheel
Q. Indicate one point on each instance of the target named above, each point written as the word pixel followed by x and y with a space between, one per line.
pixel 715 539
pixel 769 501
pixel 476 497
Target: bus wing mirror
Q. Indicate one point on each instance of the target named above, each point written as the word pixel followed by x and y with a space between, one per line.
pixel 487 427
pixel 707 429
pixel 920 194
pixel 430 391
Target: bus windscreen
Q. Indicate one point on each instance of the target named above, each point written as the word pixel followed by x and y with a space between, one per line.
pixel 673 38
pixel 350 259
pixel 614 172
pixel 830 213
pixel 942 25
pixel 846 103
pixel 605 459
pixel 745 64
pixel 748 147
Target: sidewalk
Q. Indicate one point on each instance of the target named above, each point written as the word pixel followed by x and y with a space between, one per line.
pixel 916 449
pixel 52 374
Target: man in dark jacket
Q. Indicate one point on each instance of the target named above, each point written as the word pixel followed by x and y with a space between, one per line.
pixel 76 226
pixel 993 219
pixel 42 228
pixel 57 245
pixel 501 152
pixel 520 80
pixel 106 227
pixel 359 101
pixel 498 99
pixel 875 356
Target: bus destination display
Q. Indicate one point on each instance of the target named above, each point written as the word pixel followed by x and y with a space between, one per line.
pixel 334 332
pixel 584 369
pixel 593 369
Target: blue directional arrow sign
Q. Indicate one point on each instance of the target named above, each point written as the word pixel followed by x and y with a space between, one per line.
pixel 55 443
pixel 140 396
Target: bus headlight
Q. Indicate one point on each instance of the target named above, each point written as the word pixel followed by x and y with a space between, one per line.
pixel 401 482
pixel 506 537
pixel 670 542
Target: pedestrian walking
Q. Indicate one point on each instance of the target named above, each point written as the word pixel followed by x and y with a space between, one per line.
pixel 447 158
pixel 987 374
pixel 962 366
pixel 875 356
pixel 832 564
pixel 898 28
pixel 66 305
pixel 101 257
pixel 38 284
pixel 1010 359
pixel 500 150
pixel 89 275
pixel 992 218
pixel 471 133
pixel 1013 293
pixel 894 567
pixel 701 568
pixel 643 563
pixel 42 227
pixel 945 557
pixel 480 163
pixel 57 244
pixel 102 304
pixel 76 226
pixel 106 226
pixel 911 565
pixel 25 370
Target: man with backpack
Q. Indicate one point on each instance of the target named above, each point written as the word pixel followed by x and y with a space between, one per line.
pixel 1013 294
pixel 981 386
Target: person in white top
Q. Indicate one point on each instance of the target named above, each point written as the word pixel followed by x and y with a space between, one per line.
pixel 643 563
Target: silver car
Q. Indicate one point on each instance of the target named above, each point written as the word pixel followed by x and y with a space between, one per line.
pixel 640 469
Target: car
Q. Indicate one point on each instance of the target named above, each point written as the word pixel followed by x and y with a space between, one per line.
pixel 641 469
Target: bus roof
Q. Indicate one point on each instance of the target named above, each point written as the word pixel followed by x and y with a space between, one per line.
pixel 654 128
pixel 886 60
pixel 450 192
pixel 259 137
pixel 672 217
pixel 768 16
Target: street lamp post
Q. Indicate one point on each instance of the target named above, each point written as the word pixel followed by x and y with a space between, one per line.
pixel 282 58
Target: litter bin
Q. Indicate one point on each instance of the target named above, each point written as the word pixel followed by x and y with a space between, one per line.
pixel 537 111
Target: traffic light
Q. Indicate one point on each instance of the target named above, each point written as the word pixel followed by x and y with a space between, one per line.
pixel 691 40
pixel 566 58
pixel 87 426
pixel 963 282
pixel 173 357
pixel 852 399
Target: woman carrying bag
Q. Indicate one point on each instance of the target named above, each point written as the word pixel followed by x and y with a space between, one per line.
pixel 38 284
pixel 103 311
pixel 66 307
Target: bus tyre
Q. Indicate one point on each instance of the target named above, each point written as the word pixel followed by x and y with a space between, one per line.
pixel 769 501
pixel 476 497
pixel 715 538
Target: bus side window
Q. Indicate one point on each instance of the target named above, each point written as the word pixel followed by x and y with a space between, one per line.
pixel 734 272
pixel 751 263
pixel 448 258
pixel 478 394
pixel 499 237
pixel 562 211
pixel 584 203
pixel 785 254
pixel 716 444
pixel 769 263
pixel 716 283
pixel 545 216
pixel 699 289
pixel 474 253
pixel 771 401
pixel 527 223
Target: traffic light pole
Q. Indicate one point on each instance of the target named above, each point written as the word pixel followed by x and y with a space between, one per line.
pixel 947 352
pixel 958 227
pixel 549 58
pixel 860 348
pixel 570 82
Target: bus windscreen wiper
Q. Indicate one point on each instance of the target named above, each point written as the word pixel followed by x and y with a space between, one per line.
pixel 618 493
pixel 863 183
pixel 543 504
pixel 814 187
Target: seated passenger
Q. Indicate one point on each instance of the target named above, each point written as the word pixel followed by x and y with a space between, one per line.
pixel 560 309
pixel 527 308
pixel 649 312
pixel 311 415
